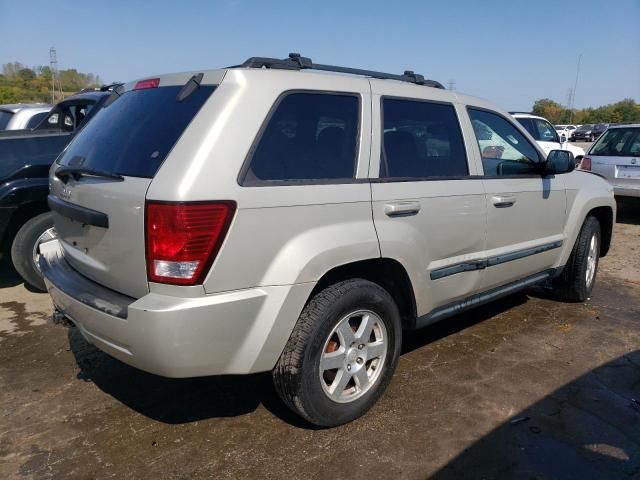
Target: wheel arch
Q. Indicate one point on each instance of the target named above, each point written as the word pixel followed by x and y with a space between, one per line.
pixel 604 215
pixel 386 272
pixel 20 216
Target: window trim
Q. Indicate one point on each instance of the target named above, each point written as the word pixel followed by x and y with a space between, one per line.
pixel 241 179
pixel 518 127
pixel 381 179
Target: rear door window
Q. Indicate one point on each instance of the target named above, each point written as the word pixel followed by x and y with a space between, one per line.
pixel 308 137
pixel 133 135
pixel 421 140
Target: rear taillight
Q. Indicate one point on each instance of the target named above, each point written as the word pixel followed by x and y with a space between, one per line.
pixel 585 164
pixel 148 83
pixel 182 239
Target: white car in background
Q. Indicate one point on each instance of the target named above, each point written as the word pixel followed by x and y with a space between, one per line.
pixel 22 116
pixel 565 130
pixel 546 135
pixel 616 157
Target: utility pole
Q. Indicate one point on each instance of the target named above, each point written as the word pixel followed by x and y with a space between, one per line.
pixel 53 66
pixel 573 91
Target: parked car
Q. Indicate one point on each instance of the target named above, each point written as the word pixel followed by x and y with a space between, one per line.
pixel 546 135
pixel 20 116
pixel 565 130
pixel 599 129
pixel 25 159
pixel 589 132
pixel 258 219
pixel 616 156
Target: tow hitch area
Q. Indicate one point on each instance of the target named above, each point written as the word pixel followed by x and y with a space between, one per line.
pixel 60 318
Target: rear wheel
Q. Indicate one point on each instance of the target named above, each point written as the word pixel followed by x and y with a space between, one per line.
pixel 341 354
pixel 579 275
pixel 24 251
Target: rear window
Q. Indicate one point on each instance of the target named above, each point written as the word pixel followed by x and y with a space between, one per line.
pixel 36 119
pixel 309 137
pixel 4 119
pixel 618 142
pixel 133 135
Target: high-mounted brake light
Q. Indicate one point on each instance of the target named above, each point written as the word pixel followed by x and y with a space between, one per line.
pixel 148 83
pixel 585 164
pixel 183 239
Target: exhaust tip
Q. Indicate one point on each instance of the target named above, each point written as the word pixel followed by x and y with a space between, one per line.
pixel 60 318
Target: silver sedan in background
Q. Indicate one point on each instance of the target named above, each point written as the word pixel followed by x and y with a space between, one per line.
pixel 616 156
pixel 21 116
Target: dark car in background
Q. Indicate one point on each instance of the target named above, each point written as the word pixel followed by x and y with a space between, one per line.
pixel 588 132
pixel 25 159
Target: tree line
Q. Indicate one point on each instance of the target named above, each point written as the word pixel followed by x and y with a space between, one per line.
pixel 19 83
pixel 626 110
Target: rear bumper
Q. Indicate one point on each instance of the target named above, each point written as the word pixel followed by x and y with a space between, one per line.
pixel 236 332
pixel 627 190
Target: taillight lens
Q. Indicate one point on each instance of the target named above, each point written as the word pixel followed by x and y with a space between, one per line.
pixel 148 83
pixel 182 239
pixel 585 164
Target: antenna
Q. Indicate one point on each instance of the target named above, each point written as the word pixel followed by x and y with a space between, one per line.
pixel 53 66
pixel 452 84
pixel 572 97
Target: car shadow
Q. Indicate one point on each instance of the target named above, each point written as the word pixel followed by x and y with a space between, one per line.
pixel 587 429
pixel 628 211
pixel 178 401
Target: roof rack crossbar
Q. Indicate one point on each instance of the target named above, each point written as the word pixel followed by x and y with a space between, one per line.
pixel 297 62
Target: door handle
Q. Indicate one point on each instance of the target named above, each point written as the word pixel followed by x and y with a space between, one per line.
pixel 401 209
pixel 503 202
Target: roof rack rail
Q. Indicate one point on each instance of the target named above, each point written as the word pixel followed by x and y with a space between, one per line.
pixel 297 62
pixel 525 113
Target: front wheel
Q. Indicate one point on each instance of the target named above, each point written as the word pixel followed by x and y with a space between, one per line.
pixel 24 249
pixel 341 354
pixel 579 275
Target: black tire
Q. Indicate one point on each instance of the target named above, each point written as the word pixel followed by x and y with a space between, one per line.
pixel 572 284
pixel 297 374
pixel 23 246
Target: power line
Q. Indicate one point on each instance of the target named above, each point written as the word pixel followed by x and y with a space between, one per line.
pixel 53 66
pixel 573 91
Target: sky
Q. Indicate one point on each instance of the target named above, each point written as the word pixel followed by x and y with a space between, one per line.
pixel 510 52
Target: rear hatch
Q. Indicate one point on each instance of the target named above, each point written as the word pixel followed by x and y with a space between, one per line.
pixel 99 183
pixel 616 155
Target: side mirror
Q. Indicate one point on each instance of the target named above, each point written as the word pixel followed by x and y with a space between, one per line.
pixel 559 161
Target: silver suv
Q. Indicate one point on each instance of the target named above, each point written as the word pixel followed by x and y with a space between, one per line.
pixel 272 217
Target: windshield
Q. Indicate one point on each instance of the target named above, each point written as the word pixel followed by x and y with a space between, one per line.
pixel 558 127
pixel 584 128
pixel 4 119
pixel 133 135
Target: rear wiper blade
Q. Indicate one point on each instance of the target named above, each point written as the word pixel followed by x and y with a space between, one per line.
pixel 64 173
pixel 191 86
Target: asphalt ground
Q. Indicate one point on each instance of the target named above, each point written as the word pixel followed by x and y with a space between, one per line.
pixel 526 387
